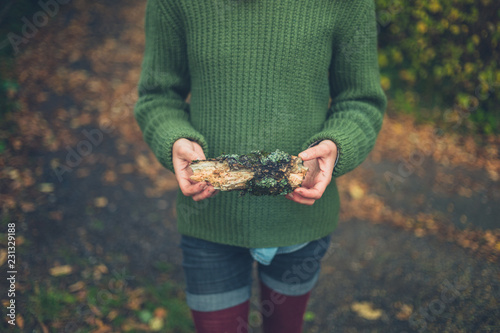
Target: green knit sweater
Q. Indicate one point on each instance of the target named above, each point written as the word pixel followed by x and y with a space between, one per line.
pixel 260 73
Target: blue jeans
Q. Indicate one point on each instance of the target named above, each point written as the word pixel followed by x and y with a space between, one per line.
pixel 219 276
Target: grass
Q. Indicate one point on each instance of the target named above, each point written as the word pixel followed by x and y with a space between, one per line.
pixel 71 304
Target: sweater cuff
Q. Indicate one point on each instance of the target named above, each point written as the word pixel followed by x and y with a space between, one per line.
pixel 338 154
pixel 166 132
pixel 168 162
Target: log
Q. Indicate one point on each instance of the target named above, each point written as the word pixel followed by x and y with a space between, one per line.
pixel 257 173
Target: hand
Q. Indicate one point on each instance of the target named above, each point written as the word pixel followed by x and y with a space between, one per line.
pixel 320 160
pixel 183 152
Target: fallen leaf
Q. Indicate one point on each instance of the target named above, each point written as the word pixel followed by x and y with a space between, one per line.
pixel 3 256
pixel 83 172
pixel 46 187
pixel 76 286
pixel 109 176
pixel 405 312
pixel 102 268
pixel 309 316
pixel 20 240
pixel 465 192
pixel 160 312
pixel 61 270
pixel 99 271
pixel 8 201
pixel 56 215
pixel 366 310
pixel 101 202
pixel 356 191
pixel 136 298
pixel 126 168
pixel 20 321
pixel 44 328
pixel 102 328
pixel 96 311
pixel 27 207
pixel 112 315
pixel 14 174
pixel 156 324
pixel 130 325
pixel 145 316
pixel 419 232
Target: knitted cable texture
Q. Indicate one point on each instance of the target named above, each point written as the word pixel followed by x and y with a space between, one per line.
pixel 260 73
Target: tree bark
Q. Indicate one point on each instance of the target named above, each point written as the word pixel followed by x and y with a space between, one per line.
pixel 257 173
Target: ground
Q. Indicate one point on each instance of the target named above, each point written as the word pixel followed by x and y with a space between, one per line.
pixel 417 248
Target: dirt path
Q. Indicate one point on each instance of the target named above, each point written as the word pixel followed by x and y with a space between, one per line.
pixel 417 249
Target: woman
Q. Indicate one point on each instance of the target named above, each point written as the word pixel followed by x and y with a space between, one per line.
pixel 260 73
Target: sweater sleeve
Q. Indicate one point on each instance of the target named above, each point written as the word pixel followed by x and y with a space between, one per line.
pixel 358 101
pixel 161 110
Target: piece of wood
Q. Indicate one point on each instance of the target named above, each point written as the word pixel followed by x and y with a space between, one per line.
pixel 257 173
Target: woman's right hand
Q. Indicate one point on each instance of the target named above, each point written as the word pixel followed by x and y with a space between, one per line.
pixel 183 152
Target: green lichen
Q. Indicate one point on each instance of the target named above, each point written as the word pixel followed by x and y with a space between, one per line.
pixel 271 170
pixel 267 182
pixel 276 157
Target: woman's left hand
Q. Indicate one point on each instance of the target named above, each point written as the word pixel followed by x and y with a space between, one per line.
pixel 320 160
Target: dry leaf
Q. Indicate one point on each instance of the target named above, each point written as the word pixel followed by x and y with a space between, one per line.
pixel 82 172
pixel 366 310
pixel 20 240
pixel 20 321
pixel 102 328
pixel 99 271
pixel 97 312
pixel 101 202
pixel 27 207
pixel 102 268
pixel 112 315
pixel 160 312
pixel 126 168
pixel 109 176
pixel 3 256
pixel 130 325
pixel 61 270
pixel 405 312
pixel 156 324
pixel 76 286
pixel 44 328
pixel 46 187
pixel 356 191
pixel 56 215
pixel 136 298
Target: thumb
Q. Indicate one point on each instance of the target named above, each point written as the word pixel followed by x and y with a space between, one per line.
pixel 192 155
pixel 310 153
pixel 188 154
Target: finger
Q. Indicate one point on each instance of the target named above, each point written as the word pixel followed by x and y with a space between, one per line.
pixel 311 153
pixel 311 193
pixel 192 189
pixel 321 150
pixel 199 151
pixel 214 193
pixel 206 193
pixel 182 167
pixel 189 153
pixel 300 199
pixel 314 192
pixel 326 165
pixel 193 155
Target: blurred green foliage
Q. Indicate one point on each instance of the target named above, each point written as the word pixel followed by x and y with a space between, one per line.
pixel 443 53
